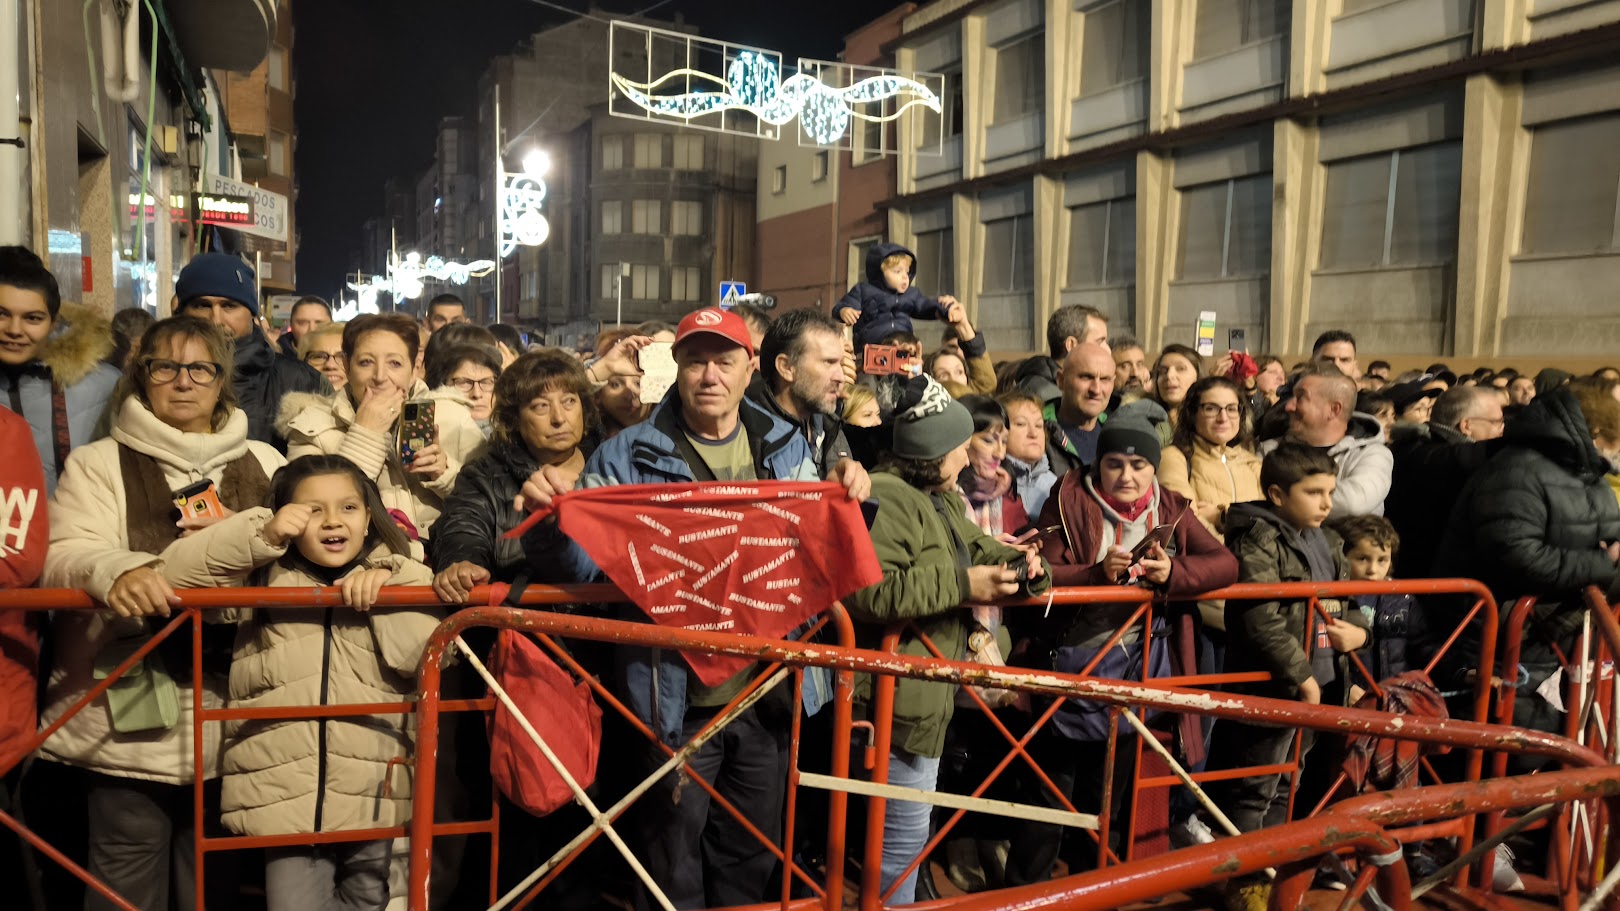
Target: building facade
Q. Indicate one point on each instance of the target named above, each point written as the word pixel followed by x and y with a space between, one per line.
pixel 259 106
pixel 818 208
pixel 1439 176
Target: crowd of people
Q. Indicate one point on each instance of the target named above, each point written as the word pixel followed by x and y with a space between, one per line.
pixel 205 449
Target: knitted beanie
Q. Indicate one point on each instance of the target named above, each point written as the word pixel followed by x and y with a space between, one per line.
pixel 928 423
pixel 1133 430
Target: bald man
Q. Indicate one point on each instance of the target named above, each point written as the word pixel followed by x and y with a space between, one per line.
pixel 1085 382
pixel 1322 413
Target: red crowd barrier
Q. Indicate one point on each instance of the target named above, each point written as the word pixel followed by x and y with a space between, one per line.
pixel 1366 825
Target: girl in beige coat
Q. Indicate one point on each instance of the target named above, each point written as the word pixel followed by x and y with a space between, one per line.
pixel 328 527
pixel 1211 460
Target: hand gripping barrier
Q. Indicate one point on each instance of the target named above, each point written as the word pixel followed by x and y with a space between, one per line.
pixel 1368 825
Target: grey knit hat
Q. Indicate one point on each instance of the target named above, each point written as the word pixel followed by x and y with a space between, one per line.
pixel 1133 430
pixel 928 423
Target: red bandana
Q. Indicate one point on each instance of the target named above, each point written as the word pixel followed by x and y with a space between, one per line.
pixel 755 558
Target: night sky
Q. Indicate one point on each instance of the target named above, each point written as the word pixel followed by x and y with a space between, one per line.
pixel 375 76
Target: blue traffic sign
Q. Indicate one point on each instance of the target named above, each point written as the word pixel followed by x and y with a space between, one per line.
pixel 731 292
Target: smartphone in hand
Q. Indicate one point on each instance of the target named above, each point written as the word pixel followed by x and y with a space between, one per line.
pixel 417 430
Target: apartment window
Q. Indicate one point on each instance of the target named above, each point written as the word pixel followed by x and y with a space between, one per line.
pixel 277 153
pixel 686 219
pixel 1226 229
pixel 683 284
pixel 688 153
pixel 1102 244
pixel 874 134
pixel 936 262
pixel 857 258
pixel 931 130
pixel 1115 45
pixel 613 217
pixel 276 68
pixel 1220 26
pixel 779 179
pixel 1009 255
pixel 644 283
pixel 612 153
pixel 1020 77
pixel 818 167
pixel 647 216
pixel 1395 208
pixel 1571 199
pixel 649 150
pixel 610 280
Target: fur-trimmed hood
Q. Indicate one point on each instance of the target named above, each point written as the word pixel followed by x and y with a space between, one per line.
pixel 81 340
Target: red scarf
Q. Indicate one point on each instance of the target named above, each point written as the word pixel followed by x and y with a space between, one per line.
pixel 755 558
pixel 1130 512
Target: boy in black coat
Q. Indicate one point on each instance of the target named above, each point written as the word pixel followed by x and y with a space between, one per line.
pixel 886 302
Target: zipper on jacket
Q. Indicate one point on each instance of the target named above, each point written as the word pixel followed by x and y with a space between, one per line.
pixel 1231 479
pixel 320 736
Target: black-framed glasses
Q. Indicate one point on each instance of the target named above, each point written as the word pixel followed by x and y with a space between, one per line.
pixel 162 370
pixel 1210 410
pixel 319 359
pixel 462 384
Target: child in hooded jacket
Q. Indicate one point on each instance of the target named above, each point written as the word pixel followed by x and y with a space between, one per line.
pixel 886 302
pixel 326 527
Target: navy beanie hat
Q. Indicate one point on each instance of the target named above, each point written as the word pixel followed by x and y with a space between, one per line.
pixel 217 275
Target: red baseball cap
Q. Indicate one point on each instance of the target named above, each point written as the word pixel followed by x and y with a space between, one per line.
pixel 715 321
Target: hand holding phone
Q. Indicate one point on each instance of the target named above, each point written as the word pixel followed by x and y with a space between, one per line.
pixel 417 430
pixel 199 501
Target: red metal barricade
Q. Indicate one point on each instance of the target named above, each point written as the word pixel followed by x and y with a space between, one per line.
pixel 1358 826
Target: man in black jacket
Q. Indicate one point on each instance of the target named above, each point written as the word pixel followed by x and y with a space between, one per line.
pixel 801 375
pixel 1432 463
pixel 219 288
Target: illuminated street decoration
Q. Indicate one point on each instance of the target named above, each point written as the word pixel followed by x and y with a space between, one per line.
pixel 754 83
pixel 684 79
pixel 406 277
pixel 522 223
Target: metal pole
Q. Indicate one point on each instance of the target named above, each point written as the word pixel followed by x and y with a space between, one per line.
pixel 500 203
pixel 618 291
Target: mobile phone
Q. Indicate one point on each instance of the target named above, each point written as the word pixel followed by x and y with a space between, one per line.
pixel 199 501
pixel 1034 533
pixel 1237 340
pixel 1160 535
pixel 417 431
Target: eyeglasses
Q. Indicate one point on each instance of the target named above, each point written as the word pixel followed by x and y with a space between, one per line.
pixel 462 384
pixel 322 358
pixel 1210 410
pixel 162 371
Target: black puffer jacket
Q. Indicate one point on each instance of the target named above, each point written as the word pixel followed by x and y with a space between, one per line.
pixel 262 378
pixel 1530 522
pixel 1432 464
pixel 479 511
pixel 884 311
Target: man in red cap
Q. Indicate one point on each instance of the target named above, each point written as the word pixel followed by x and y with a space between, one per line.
pixel 706 431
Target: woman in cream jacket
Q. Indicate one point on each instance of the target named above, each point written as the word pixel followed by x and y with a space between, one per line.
pixel 114 535
pixel 1211 460
pixel 361 422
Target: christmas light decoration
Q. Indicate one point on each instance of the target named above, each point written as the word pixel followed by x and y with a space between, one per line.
pixel 753 83
pixel 522 223
pixel 407 276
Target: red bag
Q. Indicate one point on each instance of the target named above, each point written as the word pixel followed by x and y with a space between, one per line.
pixel 561 711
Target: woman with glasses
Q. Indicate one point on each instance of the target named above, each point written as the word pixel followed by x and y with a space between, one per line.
pixel 1211 459
pixel 115 531
pixel 322 348
pixel 363 422
pixel 468 371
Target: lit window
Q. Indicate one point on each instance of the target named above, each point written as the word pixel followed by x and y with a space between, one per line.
pixel 644 282
pixel 646 216
pixel 612 217
pixel 612 153
pixel 686 219
pixel 683 284
pixel 688 153
pixel 649 150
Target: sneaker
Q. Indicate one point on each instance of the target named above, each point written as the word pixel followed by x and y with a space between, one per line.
pixel 962 864
pixel 1503 877
pixel 1190 831
pixel 1248 894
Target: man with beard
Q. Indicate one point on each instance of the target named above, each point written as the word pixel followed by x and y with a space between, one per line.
pixel 802 372
pixel 1130 365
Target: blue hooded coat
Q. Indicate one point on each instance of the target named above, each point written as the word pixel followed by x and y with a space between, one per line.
pixel 884 311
